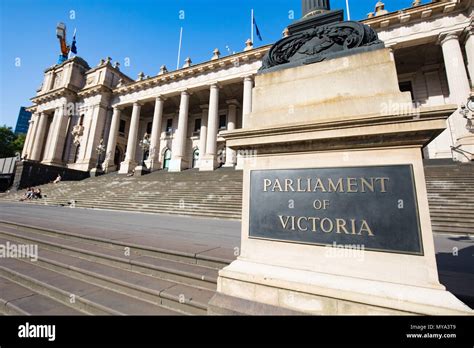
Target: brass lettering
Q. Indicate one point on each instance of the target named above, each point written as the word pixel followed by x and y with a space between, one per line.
pixel 313 220
pixel 335 188
pixel 353 224
pixel 383 185
pixel 284 224
pixel 289 185
pixel 292 223
pixel 329 222
pixel 275 185
pixel 365 228
pixel 365 183
pixel 298 223
pixel 299 189
pixel 352 185
pixel 319 186
pixel 326 225
pixel 266 184
pixel 341 226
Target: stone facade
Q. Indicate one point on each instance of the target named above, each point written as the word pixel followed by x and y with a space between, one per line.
pixel 185 111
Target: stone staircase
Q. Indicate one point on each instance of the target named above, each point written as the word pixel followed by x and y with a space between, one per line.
pixel 451 197
pixel 76 275
pixel 219 194
pixel 215 194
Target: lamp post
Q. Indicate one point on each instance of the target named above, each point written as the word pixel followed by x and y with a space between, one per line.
pixel 144 145
pixel 467 112
pixel 100 149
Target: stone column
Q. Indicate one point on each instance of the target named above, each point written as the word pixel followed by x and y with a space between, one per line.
pixel 38 143
pixel 230 158
pixel 49 135
pixel 30 137
pixel 459 91
pixel 93 133
pixel 130 162
pixel 203 131
pixel 441 146
pixel 109 165
pixel 247 99
pixel 178 162
pixel 469 46
pixel 209 160
pixel 54 155
pixel 154 158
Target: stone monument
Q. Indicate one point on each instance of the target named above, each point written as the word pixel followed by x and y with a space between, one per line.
pixel 335 215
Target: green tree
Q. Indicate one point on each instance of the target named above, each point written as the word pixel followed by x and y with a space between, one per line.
pixel 19 142
pixel 10 143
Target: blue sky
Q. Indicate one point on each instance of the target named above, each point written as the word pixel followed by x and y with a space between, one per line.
pixel 144 31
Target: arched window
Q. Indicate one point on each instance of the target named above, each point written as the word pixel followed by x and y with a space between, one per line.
pixel 167 159
pixel 195 157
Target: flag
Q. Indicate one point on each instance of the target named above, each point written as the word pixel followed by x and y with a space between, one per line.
pixel 257 30
pixel 73 45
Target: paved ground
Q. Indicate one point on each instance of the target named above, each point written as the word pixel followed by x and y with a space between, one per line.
pixel 212 237
pixel 218 238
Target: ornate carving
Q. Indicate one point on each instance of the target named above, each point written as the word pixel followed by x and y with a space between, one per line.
pixel 77 132
pixel 57 79
pixel 321 43
pixel 90 81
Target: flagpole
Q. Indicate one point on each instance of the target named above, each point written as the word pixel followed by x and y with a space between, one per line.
pixel 252 26
pixel 348 10
pixel 179 49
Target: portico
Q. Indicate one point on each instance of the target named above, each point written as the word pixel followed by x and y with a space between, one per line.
pixel 184 111
pixel 185 124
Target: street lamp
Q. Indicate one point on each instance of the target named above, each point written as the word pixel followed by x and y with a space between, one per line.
pixel 467 112
pixel 100 149
pixel 144 145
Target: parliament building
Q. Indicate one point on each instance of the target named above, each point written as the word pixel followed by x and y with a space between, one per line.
pixel 85 117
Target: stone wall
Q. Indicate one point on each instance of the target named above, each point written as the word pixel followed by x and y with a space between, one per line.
pixel 33 174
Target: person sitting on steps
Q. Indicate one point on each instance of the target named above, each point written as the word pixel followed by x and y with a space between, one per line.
pixel 28 194
pixel 37 194
pixel 57 180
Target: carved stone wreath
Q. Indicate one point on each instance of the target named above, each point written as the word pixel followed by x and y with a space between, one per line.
pixel 321 43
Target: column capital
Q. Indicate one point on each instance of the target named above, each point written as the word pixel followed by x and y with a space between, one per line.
pixel 160 98
pixel 117 107
pixel 137 103
pixel 445 37
pixel 185 91
pixel 215 85
pixel 468 32
pixel 233 102
pixel 248 78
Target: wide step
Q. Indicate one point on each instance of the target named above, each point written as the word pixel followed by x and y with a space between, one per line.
pixel 84 296
pixel 19 300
